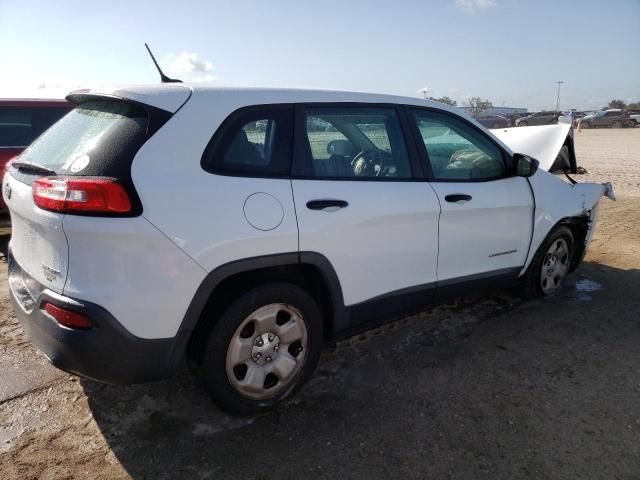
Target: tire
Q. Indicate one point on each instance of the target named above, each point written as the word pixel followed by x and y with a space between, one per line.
pixel 534 279
pixel 585 125
pixel 523 124
pixel 617 124
pixel 226 372
pixel 632 123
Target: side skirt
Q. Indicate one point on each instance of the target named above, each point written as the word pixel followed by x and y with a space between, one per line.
pixel 392 306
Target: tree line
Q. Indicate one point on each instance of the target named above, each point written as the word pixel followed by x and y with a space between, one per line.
pixel 476 105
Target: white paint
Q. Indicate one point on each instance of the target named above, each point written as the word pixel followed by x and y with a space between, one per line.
pixel 496 220
pixel 384 240
pixel 38 242
pixel 128 267
pixel 540 142
pixel 263 211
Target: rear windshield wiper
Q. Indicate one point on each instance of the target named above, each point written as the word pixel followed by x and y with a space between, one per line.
pixel 31 167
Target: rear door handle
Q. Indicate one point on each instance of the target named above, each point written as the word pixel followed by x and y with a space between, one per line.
pixel 457 198
pixel 328 205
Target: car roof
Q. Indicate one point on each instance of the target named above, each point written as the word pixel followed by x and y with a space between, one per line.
pixel 170 96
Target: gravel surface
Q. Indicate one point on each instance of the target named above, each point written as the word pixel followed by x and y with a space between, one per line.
pixel 487 387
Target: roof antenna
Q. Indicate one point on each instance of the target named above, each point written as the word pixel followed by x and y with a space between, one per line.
pixel 163 77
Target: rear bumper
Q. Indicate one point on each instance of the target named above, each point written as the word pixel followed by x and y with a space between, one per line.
pixel 106 352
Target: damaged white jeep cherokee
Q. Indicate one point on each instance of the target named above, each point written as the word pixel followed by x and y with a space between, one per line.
pixel 242 228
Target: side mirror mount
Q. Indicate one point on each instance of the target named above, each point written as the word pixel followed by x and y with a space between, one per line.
pixel 525 165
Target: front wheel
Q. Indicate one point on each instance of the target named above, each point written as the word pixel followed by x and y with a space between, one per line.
pixel 263 348
pixel 551 264
pixel 617 124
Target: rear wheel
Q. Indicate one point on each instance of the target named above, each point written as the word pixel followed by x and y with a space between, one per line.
pixel 523 124
pixel 551 264
pixel 617 124
pixel 263 348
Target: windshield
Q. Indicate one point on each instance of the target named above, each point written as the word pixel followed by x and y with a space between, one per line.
pixel 69 144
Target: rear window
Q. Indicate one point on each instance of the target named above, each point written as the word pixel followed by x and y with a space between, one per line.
pixel 98 137
pixel 19 126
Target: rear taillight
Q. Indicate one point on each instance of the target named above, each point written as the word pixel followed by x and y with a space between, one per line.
pixel 68 318
pixel 88 195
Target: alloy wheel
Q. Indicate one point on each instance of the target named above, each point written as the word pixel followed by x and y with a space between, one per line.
pixel 555 266
pixel 267 350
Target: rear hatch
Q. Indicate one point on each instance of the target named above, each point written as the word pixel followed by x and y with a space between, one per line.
pixel 95 143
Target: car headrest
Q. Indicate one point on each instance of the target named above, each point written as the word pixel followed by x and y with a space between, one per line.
pixel 342 148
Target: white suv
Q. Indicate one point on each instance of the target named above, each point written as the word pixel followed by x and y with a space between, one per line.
pixel 242 228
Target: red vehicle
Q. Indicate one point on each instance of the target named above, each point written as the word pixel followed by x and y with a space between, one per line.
pixel 22 121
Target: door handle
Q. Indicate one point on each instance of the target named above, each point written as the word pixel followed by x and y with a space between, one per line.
pixel 329 205
pixel 457 198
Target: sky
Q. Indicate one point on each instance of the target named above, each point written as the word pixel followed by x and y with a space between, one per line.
pixel 510 52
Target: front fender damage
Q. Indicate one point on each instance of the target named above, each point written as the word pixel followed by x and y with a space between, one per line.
pixel 557 201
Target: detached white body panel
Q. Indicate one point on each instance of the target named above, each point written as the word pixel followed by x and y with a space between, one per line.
pixel 540 142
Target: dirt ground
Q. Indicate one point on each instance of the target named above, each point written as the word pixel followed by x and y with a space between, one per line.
pixel 490 387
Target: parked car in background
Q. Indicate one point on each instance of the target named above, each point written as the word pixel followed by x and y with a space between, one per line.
pixel 634 119
pixel 493 121
pixel 539 118
pixel 22 121
pixel 264 235
pixel 613 117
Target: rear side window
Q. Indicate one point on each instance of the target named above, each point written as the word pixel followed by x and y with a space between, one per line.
pixel 98 137
pixel 19 126
pixel 252 142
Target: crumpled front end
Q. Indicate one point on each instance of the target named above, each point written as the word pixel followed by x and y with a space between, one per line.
pixel 558 201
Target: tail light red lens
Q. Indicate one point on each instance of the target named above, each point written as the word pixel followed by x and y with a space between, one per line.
pixel 67 318
pixel 89 195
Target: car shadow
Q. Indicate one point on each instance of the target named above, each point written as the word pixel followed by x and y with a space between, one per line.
pixel 491 385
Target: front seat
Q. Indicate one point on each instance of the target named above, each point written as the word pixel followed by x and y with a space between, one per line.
pixel 341 153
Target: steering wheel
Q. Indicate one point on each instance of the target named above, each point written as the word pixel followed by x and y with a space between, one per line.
pixel 369 163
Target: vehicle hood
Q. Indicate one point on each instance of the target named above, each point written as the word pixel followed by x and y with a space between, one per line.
pixel 542 142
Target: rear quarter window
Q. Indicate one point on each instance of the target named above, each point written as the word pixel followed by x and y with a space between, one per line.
pixel 252 142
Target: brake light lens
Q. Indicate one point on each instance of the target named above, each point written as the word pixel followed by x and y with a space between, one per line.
pixel 89 195
pixel 67 318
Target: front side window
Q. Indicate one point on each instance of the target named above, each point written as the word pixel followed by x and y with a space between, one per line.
pixel 456 150
pixel 256 142
pixel 354 143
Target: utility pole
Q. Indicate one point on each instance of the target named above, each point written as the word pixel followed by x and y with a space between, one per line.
pixel 559 82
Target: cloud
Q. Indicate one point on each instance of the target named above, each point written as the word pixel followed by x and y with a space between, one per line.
pixel 471 6
pixel 187 66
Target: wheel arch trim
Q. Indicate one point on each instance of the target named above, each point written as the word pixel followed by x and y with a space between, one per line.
pixel 220 274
